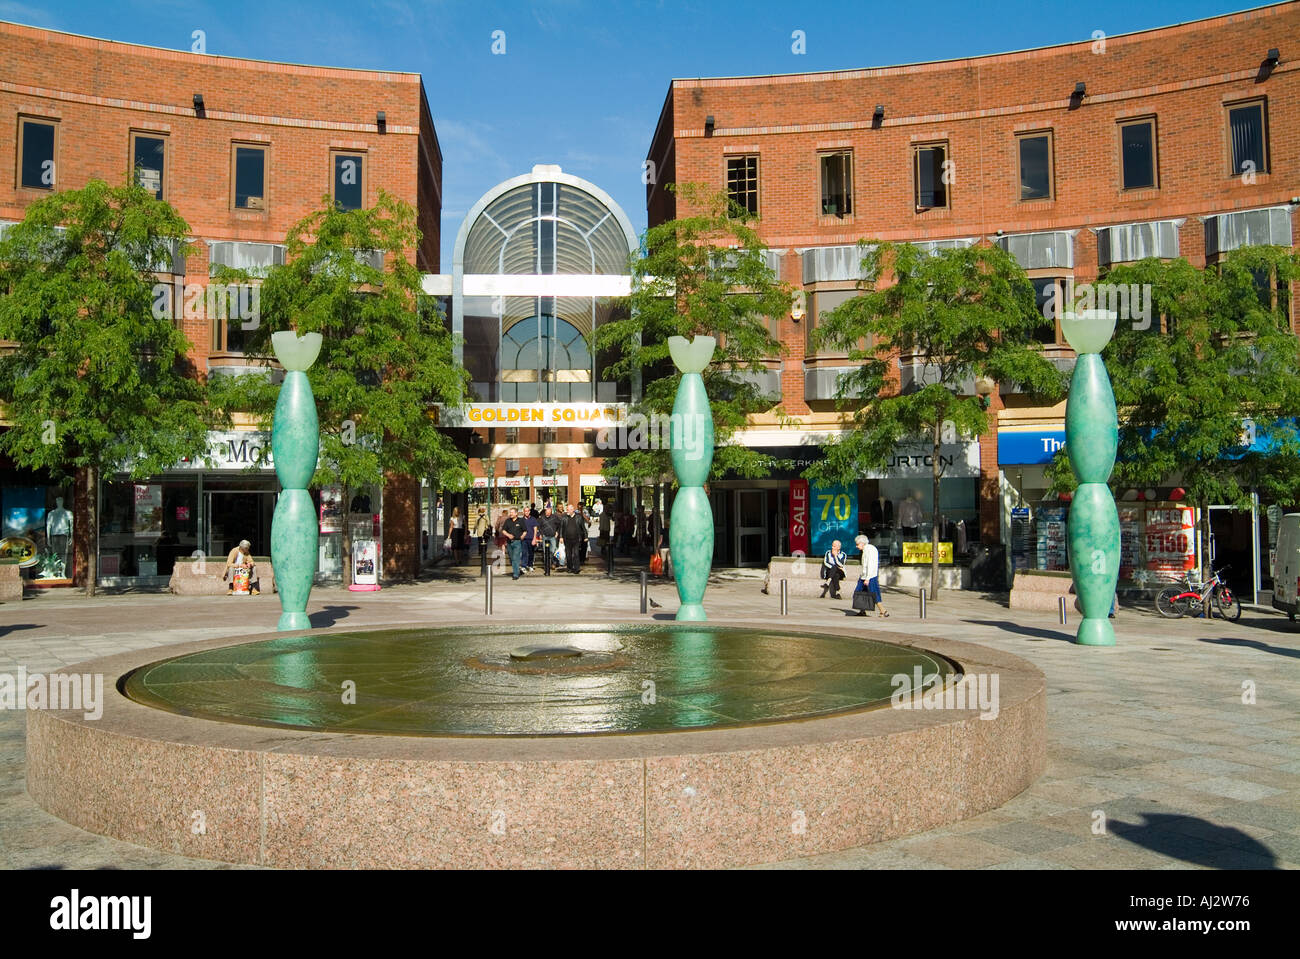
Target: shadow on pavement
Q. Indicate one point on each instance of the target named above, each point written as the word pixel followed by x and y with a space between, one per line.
pixel 6 630
pixel 1023 630
pixel 1196 840
pixel 329 616
pixel 1254 644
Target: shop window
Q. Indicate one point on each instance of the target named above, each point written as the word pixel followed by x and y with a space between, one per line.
pixel 248 176
pixel 1138 157
pixel 742 182
pixel 148 160
pixel 1036 162
pixel 37 142
pixel 1248 138
pixel 837 183
pixel 349 182
pixel 930 175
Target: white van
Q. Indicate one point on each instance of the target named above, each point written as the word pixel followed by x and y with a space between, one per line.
pixel 1286 574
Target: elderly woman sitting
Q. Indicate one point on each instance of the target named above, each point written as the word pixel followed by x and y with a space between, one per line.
pixel 241 556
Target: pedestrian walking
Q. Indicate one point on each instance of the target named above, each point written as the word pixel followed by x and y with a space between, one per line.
pixel 869 577
pixel 575 531
pixel 531 538
pixel 513 530
pixel 457 536
pixel 549 530
pixel 480 529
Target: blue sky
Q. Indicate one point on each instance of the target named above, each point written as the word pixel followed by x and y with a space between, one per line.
pixel 582 82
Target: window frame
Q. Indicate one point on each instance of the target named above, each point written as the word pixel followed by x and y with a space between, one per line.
pixel 23 119
pixel 917 149
pixel 1262 104
pixel 845 154
pixel 1060 281
pixel 1151 119
pixel 132 135
pixel 363 156
pixel 728 159
pixel 1021 136
pixel 265 148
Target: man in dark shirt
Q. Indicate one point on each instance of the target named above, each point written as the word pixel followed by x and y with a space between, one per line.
pixel 531 524
pixel 575 530
pixel 513 529
pixel 550 529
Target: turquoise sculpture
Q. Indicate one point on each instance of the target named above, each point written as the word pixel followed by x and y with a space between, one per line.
pixel 690 533
pixel 295 444
pixel 1091 439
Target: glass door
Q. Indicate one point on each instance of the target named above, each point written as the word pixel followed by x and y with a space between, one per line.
pixel 751 528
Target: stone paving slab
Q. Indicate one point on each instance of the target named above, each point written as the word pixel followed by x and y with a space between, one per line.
pixel 1152 734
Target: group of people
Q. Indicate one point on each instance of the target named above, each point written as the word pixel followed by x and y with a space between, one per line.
pixel 562 535
pixel 835 569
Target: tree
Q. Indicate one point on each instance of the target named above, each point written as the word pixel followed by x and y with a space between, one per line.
pixel 95 380
pixel 1219 363
pixel 962 313
pixel 386 355
pixel 700 274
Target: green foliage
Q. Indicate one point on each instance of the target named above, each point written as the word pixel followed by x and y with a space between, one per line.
pixel 965 313
pixel 1227 353
pixel 386 352
pixel 701 274
pixel 95 379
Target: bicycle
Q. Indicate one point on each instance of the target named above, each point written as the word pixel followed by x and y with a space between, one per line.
pixel 1174 602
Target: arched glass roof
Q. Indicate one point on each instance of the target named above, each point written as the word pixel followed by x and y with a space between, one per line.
pixel 548 226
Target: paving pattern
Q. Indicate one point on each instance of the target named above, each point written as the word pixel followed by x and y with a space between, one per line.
pixel 1178 748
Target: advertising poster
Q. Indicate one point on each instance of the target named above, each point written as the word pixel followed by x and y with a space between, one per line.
pixel 799 540
pixel 331 509
pixel 921 553
pixel 24 510
pixel 1052 548
pixel 1171 539
pixel 1130 543
pixel 365 563
pixel 148 511
pixel 834 511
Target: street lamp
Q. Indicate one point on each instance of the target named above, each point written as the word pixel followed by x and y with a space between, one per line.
pixel 489 464
pixel 984 387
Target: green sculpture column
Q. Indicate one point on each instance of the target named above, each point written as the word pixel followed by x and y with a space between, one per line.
pixel 690 533
pixel 295 443
pixel 1091 439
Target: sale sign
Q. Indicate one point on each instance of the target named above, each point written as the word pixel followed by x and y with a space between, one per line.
pixel 1171 539
pixel 834 517
pixel 799 540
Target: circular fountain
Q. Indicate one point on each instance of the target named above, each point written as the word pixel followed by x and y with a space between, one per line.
pixel 625 745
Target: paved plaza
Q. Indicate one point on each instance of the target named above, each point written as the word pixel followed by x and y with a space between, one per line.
pixel 1154 759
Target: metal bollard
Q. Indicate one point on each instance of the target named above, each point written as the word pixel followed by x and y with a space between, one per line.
pixel 487 593
pixel 482 558
pixel 1061 604
pixel 785 597
pixel 609 559
pixel 645 592
pixel 923 604
pixel 546 550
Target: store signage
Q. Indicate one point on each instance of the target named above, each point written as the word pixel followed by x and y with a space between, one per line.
pixel 580 415
pixel 908 461
pixel 512 482
pixel 550 482
pixel 1029 447
pixel 233 450
pixel 834 516
pixel 922 553
pixel 799 539
pixel 480 482
pixel 1171 539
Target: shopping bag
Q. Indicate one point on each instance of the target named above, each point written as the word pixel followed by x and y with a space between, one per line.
pixel 656 565
pixel 863 600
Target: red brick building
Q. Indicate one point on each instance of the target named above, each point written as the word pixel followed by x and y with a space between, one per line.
pixel 242 149
pixel 1180 141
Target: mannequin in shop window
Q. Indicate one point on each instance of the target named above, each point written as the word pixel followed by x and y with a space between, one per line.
pixel 909 513
pixel 58 535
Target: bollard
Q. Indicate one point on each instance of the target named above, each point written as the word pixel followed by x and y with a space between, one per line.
pixel 645 592
pixel 609 559
pixel 1061 604
pixel 487 593
pixel 546 549
pixel 923 604
pixel 482 558
pixel 785 597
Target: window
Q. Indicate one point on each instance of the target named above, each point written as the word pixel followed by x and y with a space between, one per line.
pixel 742 182
pixel 930 166
pixel 1047 289
pixel 232 315
pixel 512 434
pixel 36 142
pixel 248 177
pixel 1248 136
pixel 349 180
pixel 837 183
pixel 1137 151
pixel 148 156
pixel 1035 151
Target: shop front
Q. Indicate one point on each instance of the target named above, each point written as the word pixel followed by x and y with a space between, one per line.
pixel 36 514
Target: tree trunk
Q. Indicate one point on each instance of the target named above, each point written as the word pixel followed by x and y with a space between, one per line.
pixel 347 538
pixel 937 471
pixel 92 531
pixel 1205 541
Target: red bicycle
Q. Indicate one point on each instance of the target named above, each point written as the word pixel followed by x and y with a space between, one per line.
pixel 1191 598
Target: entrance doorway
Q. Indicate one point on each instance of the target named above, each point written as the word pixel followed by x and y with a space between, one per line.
pixel 1234 545
pixel 752 520
pixel 239 514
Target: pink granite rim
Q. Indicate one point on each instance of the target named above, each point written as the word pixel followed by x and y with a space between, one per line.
pixel 725 797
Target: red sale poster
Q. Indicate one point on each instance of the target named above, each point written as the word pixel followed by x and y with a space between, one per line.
pixel 799 539
pixel 1171 539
